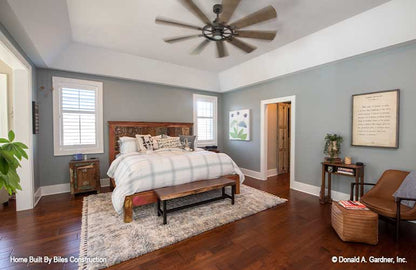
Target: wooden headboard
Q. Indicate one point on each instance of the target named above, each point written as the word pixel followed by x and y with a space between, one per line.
pixel 124 128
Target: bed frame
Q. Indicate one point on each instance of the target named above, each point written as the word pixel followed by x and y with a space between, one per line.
pixel 123 128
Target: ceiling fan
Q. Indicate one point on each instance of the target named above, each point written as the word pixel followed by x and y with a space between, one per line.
pixel 219 30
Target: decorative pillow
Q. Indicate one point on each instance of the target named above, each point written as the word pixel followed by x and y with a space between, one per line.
pixel 407 189
pixel 144 142
pixel 190 139
pixel 155 143
pixel 127 145
pixel 169 142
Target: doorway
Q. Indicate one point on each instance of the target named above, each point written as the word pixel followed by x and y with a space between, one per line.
pixel 278 138
pixel 20 115
pixel 281 112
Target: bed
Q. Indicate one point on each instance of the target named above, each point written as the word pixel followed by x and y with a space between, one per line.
pixel 135 176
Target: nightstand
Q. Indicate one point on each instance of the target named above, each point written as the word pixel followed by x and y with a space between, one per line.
pixel 211 149
pixel 84 176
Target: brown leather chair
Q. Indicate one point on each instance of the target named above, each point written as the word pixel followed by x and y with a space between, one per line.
pixel 380 198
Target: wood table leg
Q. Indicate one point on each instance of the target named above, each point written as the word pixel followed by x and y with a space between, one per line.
pixel 329 188
pixel 356 184
pixel 362 183
pixel 322 193
pixel 158 207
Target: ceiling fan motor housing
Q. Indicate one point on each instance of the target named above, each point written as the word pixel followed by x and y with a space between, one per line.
pixel 217 9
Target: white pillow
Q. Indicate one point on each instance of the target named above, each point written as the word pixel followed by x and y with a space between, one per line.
pixel 127 145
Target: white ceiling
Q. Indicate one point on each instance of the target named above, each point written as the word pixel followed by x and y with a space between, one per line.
pixel 73 34
pixel 128 26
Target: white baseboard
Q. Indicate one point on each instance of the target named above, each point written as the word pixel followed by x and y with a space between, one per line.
pixel 61 188
pixel 253 174
pixel 271 172
pixel 55 189
pixel 315 191
pixel 299 186
pixel 37 196
pixel 105 182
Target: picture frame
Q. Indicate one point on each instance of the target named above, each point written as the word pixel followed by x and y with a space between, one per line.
pixel 239 125
pixel 376 119
pixel 35 118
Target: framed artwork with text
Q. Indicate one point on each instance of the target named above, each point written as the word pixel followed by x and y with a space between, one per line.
pixel 375 119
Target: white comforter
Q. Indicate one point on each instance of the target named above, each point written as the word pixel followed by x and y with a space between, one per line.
pixel 136 172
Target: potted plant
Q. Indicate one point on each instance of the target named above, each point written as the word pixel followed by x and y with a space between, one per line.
pixel 11 153
pixel 332 146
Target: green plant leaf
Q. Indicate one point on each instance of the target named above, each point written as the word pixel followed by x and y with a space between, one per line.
pixel 22 152
pixel 11 135
pixel 233 135
pixel 240 132
pixel 4 165
pixel 21 145
pixel 243 137
pixel 3 140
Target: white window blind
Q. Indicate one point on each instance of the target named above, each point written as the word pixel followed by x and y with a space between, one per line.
pixel 205 119
pixel 77 116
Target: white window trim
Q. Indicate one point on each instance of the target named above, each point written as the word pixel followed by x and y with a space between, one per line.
pixel 213 99
pixel 59 149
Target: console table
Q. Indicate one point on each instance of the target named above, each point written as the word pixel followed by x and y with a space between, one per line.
pixel 332 168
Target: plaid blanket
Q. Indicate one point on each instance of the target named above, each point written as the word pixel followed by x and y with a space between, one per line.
pixel 136 172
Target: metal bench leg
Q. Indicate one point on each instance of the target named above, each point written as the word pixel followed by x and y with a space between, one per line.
pixel 232 194
pixel 164 213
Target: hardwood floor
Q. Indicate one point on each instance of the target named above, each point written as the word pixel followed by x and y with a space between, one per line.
pixel 296 235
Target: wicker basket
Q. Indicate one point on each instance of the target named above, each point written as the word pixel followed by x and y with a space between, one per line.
pixel 355 225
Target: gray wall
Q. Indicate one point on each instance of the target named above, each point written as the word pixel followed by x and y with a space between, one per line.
pixel 34 98
pixel 123 101
pixel 323 105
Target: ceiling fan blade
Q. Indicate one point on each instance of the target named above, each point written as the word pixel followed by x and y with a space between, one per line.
pixel 176 39
pixel 267 35
pixel 200 47
pixel 176 23
pixel 229 7
pixel 196 10
pixel 261 15
pixel 221 49
pixel 242 45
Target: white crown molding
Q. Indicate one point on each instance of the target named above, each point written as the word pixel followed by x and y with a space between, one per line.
pixel 384 26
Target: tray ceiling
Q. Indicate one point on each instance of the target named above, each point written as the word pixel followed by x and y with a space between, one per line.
pixel 54 33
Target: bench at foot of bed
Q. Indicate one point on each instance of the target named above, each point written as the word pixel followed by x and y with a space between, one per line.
pixel 148 197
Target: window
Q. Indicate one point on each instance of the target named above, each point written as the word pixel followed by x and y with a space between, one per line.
pixel 205 119
pixel 77 116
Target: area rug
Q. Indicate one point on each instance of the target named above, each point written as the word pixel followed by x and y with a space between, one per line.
pixel 106 240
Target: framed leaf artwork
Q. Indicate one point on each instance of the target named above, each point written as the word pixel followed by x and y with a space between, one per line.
pixel 239 125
